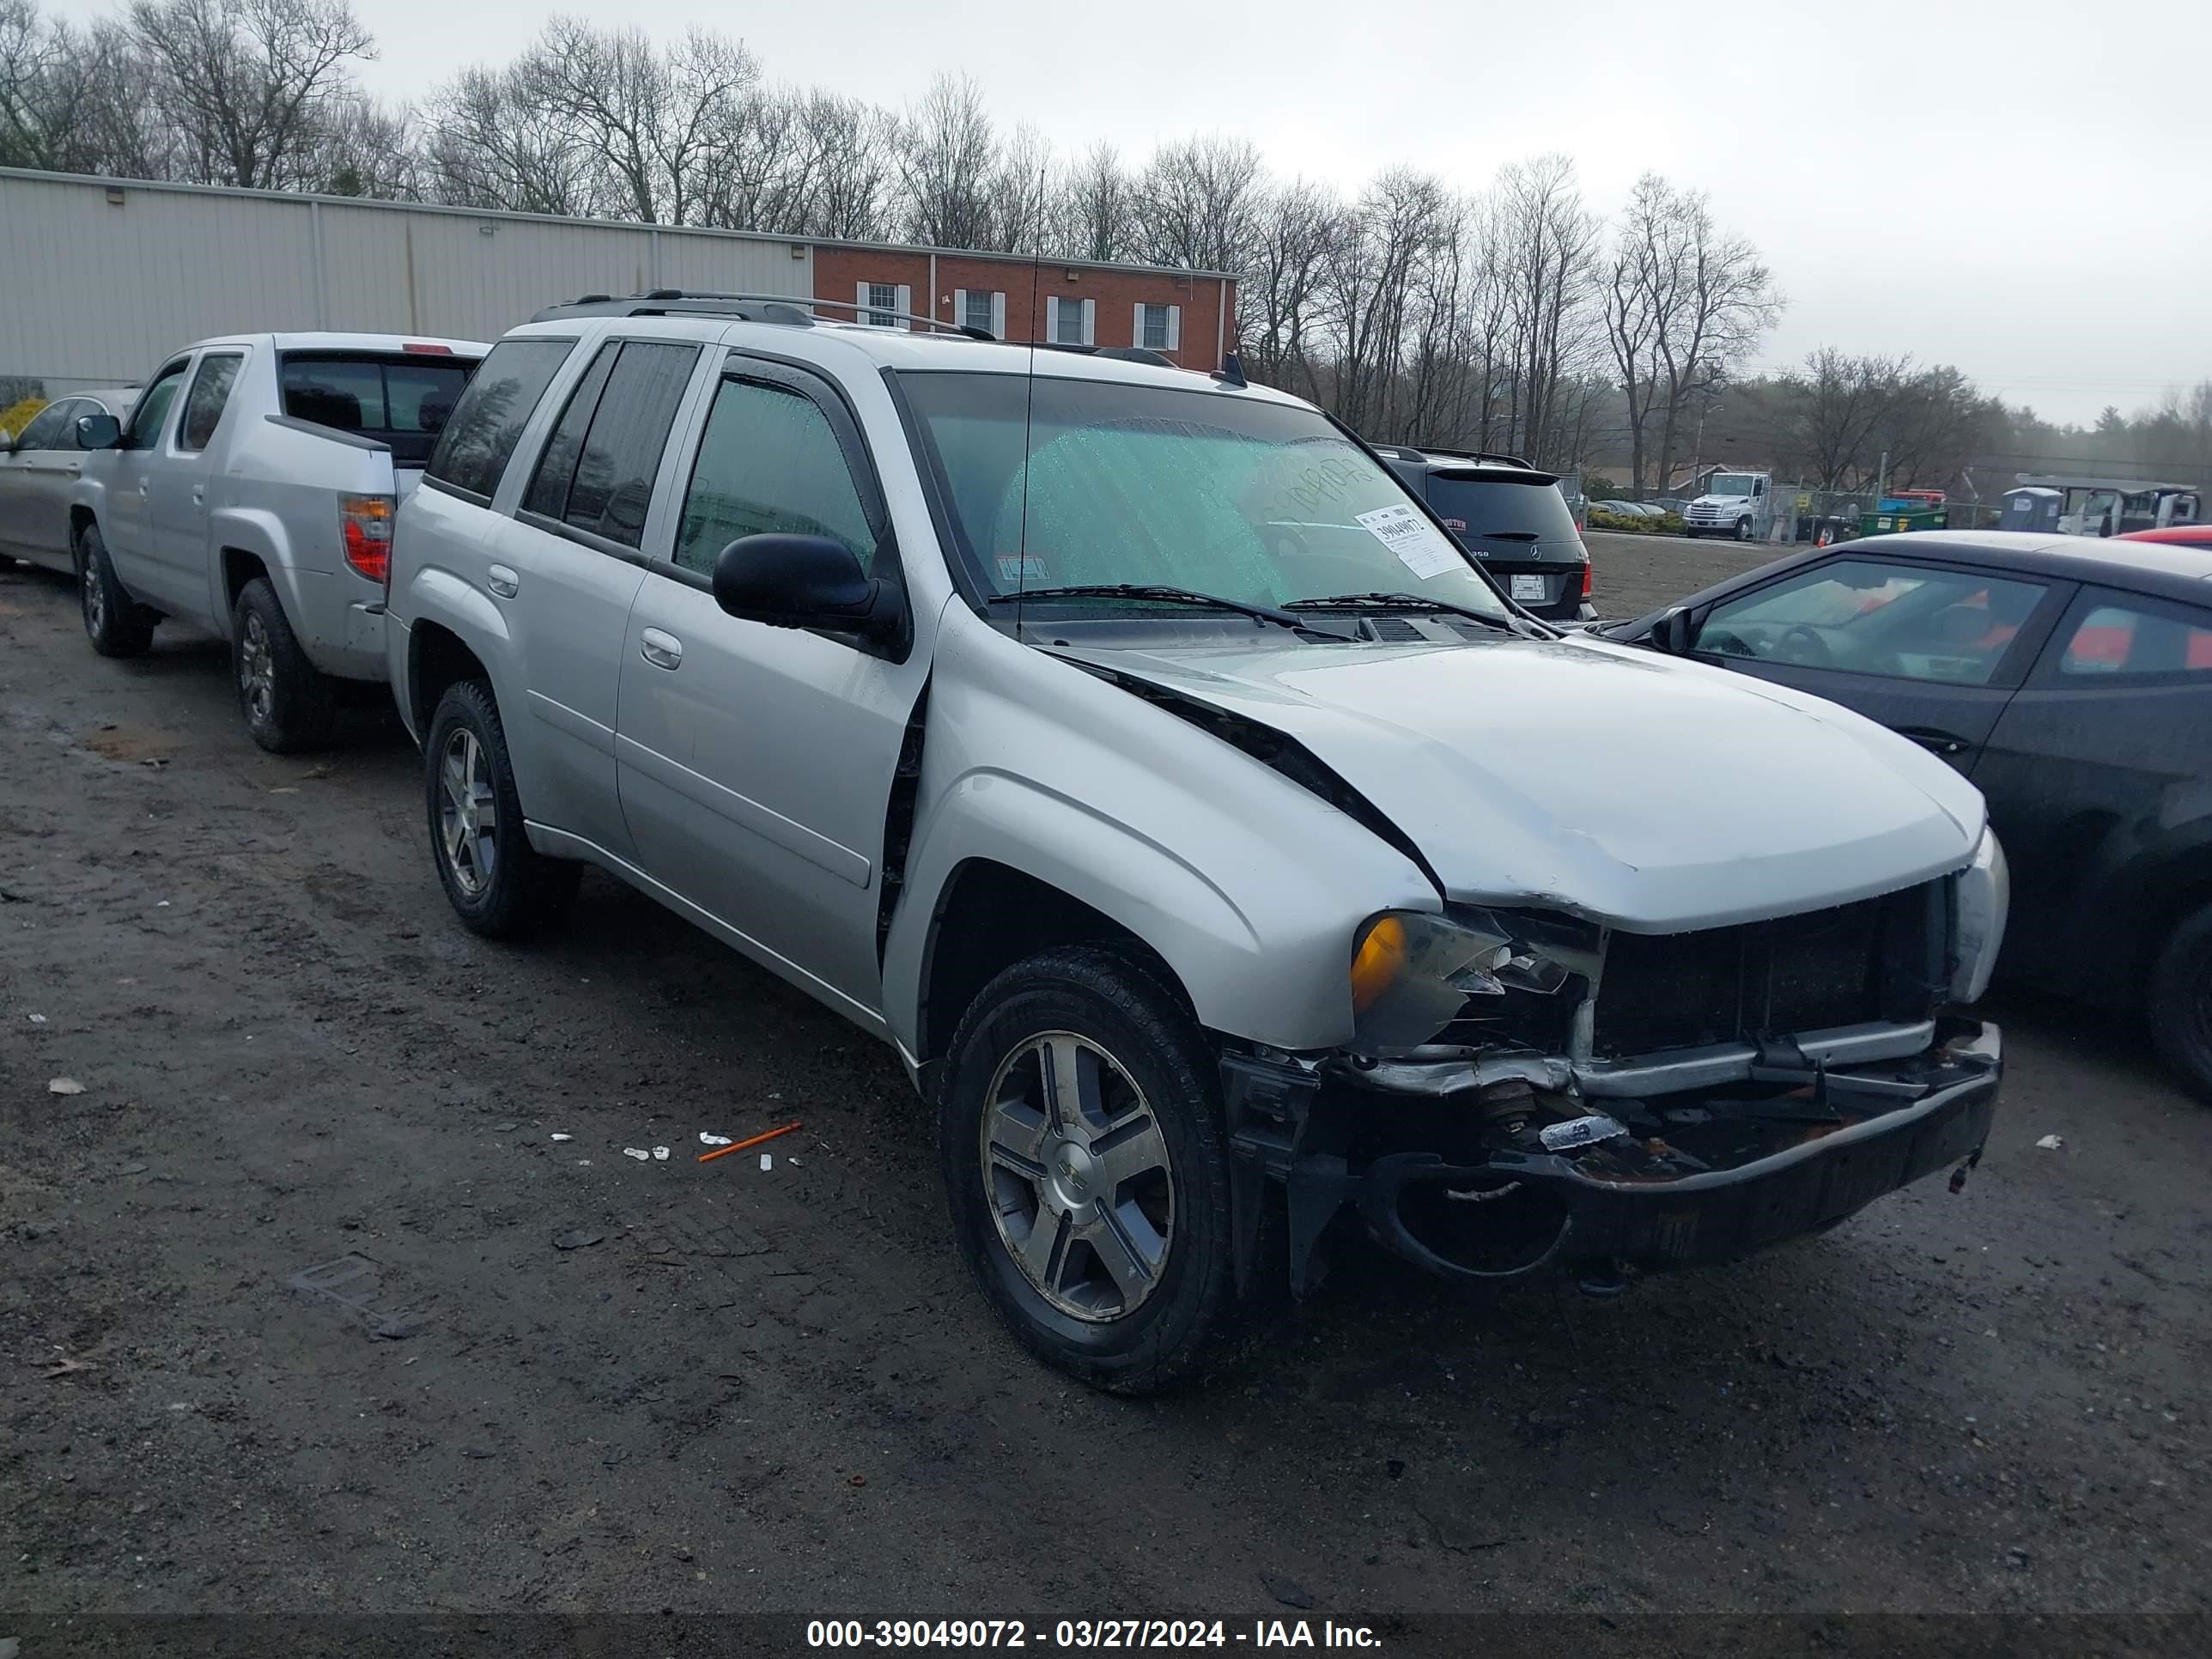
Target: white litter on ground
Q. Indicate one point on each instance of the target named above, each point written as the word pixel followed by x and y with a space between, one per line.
pixel 561 1137
pixel 638 1153
pixel 706 1139
pixel 660 1155
pixel 38 1020
pixel 65 1085
pixel 768 1160
pixel 2050 1143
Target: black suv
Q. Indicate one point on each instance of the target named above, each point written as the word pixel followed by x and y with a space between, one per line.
pixel 1509 515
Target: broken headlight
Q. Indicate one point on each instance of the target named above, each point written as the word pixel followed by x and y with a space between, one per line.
pixel 1984 896
pixel 1412 972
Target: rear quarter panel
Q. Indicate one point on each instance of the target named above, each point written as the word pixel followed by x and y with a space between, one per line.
pixel 275 502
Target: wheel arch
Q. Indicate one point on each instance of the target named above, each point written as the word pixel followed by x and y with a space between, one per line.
pixel 988 916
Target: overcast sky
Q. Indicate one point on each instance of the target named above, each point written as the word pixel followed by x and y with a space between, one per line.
pixel 2020 187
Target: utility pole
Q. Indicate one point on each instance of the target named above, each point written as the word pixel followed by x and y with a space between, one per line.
pixel 1881 481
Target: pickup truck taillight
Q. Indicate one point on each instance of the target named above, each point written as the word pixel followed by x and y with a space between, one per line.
pixel 365 526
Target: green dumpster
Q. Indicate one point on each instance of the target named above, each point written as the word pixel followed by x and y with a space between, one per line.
pixel 1889 524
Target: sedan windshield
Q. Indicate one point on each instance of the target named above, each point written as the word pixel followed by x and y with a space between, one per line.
pixel 1209 491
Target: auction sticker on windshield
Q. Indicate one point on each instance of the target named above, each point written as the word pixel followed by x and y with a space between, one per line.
pixel 1420 546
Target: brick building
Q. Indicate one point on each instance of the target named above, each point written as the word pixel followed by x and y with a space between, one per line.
pixel 1184 315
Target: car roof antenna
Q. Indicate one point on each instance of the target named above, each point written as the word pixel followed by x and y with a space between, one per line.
pixel 1231 372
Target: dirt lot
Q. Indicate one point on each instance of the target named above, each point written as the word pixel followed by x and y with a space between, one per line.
pixel 745 1390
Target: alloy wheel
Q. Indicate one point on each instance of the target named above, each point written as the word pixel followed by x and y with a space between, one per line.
pixel 1078 1175
pixel 257 669
pixel 468 815
pixel 95 596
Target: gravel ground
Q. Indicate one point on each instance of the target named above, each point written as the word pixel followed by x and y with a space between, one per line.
pixel 743 1391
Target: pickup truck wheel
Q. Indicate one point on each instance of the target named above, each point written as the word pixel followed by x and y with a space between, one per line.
pixel 1080 1128
pixel 117 625
pixel 499 885
pixel 2181 1003
pixel 288 703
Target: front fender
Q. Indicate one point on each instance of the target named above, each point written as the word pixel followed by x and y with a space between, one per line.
pixel 1248 889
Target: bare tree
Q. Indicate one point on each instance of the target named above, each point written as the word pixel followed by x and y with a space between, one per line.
pixel 1546 240
pixel 247 84
pixel 655 120
pixel 1093 209
pixel 1295 230
pixel 1020 193
pixel 1197 203
pixel 492 144
pixel 1833 411
pixel 1715 300
pixel 949 164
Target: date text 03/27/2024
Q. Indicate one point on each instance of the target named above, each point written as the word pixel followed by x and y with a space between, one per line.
pixel 1085 1633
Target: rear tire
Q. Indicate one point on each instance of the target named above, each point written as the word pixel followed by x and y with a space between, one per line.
pixel 498 884
pixel 2181 1003
pixel 288 704
pixel 117 624
pixel 1133 1288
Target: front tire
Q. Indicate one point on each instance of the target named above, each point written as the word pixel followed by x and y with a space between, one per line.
pixel 1743 529
pixel 1079 1129
pixel 288 704
pixel 2181 1003
pixel 499 885
pixel 117 624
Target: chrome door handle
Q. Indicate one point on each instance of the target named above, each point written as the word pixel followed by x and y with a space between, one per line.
pixel 504 583
pixel 199 497
pixel 661 650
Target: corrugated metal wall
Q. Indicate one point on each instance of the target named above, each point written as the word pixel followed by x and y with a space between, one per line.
pixel 93 293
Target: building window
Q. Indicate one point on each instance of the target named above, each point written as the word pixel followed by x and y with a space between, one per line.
pixel 1070 322
pixel 978 307
pixel 1158 328
pixel 883 305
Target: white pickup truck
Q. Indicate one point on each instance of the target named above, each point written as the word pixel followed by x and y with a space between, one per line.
pixel 251 495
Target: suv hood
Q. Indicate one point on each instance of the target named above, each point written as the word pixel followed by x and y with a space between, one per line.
pixel 1654 795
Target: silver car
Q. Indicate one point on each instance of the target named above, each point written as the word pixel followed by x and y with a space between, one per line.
pixel 1228 861
pixel 38 468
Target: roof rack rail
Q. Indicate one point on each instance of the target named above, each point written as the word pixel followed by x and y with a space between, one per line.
pixel 1496 457
pixel 791 310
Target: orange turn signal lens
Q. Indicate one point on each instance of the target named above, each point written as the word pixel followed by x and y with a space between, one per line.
pixel 1379 960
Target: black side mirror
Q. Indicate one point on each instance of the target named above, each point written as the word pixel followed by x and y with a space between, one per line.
pixel 805 581
pixel 1671 633
pixel 98 432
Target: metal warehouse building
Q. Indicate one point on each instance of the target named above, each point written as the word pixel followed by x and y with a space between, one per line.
pixel 102 278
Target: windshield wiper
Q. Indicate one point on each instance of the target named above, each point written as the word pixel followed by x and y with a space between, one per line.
pixel 1400 602
pixel 1154 591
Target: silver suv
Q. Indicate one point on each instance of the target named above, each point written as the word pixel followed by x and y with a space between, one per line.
pixel 1228 861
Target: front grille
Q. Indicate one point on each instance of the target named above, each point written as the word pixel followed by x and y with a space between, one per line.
pixel 1877 959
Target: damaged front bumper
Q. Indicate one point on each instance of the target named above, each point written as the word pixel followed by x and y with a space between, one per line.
pixel 1453 1170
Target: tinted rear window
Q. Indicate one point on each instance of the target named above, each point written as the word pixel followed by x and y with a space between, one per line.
pixel 1474 509
pixel 596 472
pixel 487 423
pixel 403 402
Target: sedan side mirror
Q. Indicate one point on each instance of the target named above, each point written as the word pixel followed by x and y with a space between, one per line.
pixel 98 432
pixel 805 581
pixel 1671 633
